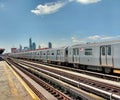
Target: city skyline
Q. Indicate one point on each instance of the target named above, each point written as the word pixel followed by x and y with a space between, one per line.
pixel 62 22
pixel 31 46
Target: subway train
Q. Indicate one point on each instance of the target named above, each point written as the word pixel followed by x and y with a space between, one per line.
pixel 102 56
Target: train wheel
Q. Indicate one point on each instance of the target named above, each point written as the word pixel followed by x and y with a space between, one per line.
pixel 76 65
pixel 107 70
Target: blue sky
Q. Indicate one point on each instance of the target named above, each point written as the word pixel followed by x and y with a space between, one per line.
pixel 62 22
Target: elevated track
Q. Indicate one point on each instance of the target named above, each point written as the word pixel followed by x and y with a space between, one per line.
pixel 103 89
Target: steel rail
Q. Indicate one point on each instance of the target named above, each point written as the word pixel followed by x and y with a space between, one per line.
pixel 113 91
pixel 96 74
pixel 51 89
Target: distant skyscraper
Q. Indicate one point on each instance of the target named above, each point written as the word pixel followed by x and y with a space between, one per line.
pixel 39 47
pixel 30 44
pixel 33 46
pixel 20 48
pixel 49 45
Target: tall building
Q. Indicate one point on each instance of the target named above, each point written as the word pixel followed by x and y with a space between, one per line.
pixel 33 46
pixel 49 45
pixel 20 48
pixel 30 44
pixel 39 47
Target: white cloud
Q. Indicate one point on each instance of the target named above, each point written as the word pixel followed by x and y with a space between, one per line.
pixel 2 5
pixel 61 43
pixel 107 38
pixel 48 8
pixel 75 40
pixel 88 1
pixel 95 37
pixel 43 45
pixel 70 0
pixel 53 7
pixel 102 37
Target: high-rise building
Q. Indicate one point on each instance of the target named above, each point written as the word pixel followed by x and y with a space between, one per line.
pixel 33 46
pixel 20 49
pixel 30 44
pixel 49 45
pixel 39 47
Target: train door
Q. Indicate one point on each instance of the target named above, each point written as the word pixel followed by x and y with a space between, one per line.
pixel 66 55
pixel 75 55
pixel 40 55
pixel 47 56
pixel 106 55
pixel 58 55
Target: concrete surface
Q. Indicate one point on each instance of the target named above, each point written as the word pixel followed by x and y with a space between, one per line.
pixel 10 87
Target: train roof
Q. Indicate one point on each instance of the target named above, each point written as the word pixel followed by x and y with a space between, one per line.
pixel 64 47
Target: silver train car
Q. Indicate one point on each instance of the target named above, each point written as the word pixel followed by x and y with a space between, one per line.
pixel 103 56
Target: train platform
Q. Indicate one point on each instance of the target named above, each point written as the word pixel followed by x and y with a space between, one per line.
pixel 12 87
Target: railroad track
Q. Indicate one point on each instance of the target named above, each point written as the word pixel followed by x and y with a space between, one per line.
pixel 86 72
pixel 73 92
pixel 59 95
pixel 103 89
pixel 96 74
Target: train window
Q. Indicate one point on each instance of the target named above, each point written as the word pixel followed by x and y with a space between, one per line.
pixel 103 51
pixel 48 53
pixel 40 52
pixel 52 53
pixel 70 53
pixel 109 50
pixel 66 52
pixel 75 51
pixel 88 51
pixel 58 52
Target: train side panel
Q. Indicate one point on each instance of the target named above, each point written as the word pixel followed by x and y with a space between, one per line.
pixel 53 54
pixel 116 56
pixel 84 55
pixel 61 55
pixel 37 57
pixel 70 54
pixel 90 56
